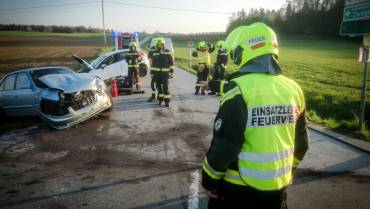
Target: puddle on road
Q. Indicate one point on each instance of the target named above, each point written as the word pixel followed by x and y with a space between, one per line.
pixel 93 153
pixel 48 157
pixel 19 149
pixel 178 145
pixel 187 110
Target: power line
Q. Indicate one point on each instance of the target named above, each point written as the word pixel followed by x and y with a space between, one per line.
pixel 48 6
pixel 116 3
pixel 168 8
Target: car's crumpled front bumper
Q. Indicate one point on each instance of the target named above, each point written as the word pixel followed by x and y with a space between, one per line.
pixel 101 103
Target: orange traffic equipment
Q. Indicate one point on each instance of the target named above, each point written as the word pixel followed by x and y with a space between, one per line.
pixel 114 89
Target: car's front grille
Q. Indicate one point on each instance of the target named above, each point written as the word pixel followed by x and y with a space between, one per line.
pixel 80 100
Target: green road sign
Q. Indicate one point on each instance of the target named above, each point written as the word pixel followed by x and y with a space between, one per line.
pixel 357 12
pixel 358 27
pixel 356 18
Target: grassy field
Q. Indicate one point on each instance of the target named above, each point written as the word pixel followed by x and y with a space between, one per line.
pixel 34 49
pixel 330 75
pixel 43 34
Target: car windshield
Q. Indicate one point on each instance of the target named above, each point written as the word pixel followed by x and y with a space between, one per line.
pixel 95 63
pixel 36 74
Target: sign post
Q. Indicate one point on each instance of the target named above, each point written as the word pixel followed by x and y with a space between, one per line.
pixel 190 46
pixel 364 57
pixel 356 22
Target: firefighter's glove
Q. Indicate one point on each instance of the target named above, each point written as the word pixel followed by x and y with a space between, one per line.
pixel 194 54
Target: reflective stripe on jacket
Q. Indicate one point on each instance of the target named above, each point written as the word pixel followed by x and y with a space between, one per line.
pixel 204 57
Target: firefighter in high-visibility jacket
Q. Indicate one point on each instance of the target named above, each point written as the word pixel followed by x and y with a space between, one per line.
pixel 260 132
pixel 220 64
pixel 203 59
pixel 133 59
pixel 162 64
pixel 153 73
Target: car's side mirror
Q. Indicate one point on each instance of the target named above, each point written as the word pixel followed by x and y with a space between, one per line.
pixel 103 66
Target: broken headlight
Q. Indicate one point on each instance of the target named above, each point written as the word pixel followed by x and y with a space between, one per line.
pixel 61 95
pixel 77 96
pixel 101 89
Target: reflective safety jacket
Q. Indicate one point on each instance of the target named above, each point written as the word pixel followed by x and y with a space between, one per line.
pixel 161 60
pixel 133 58
pixel 260 133
pixel 204 56
pixel 222 58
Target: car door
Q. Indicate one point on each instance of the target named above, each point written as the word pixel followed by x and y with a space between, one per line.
pixel 104 71
pixel 7 94
pixel 119 67
pixel 113 66
pixel 27 95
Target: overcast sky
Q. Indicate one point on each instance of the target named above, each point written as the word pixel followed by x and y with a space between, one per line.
pixel 123 17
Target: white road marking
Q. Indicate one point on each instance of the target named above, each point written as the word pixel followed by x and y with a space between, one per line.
pixel 194 191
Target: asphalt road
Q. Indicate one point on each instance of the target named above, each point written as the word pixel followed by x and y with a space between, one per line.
pixel 141 155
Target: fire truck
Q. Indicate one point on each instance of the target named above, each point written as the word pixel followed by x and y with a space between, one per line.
pixel 122 40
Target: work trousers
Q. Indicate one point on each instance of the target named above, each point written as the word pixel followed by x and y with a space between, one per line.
pixel 232 196
pixel 219 73
pixel 153 86
pixel 133 75
pixel 202 75
pixel 162 86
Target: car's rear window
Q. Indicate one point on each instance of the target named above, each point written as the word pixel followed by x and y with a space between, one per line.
pixel 36 74
pixel 97 61
pixel 9 83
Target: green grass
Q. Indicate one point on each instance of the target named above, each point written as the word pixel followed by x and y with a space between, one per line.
pixel 329 74
pixel 43 34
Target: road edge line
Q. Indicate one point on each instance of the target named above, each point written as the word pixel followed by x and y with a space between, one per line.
pixel 353 142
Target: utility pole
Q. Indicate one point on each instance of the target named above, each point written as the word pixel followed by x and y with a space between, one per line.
pixel 102 9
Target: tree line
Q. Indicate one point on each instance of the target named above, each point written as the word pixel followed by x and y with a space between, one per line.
pixel 211 36
pixel 297 17
pixel 49 28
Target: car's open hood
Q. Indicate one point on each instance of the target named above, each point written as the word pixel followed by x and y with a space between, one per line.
pixel 72 82
pixel 82 62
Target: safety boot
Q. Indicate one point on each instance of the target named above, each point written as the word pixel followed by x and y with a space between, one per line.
pixel 167 103
pixel 197 90
pixel 152 98
pixel 203 92
pixel 160 101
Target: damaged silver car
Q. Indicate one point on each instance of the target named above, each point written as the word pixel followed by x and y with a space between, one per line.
pixel 58 95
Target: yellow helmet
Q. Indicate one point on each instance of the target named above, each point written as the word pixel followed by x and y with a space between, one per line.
pixel 202 45
pixel 132 43
pixel 160 41
pixel 220 43
pixel 249 42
